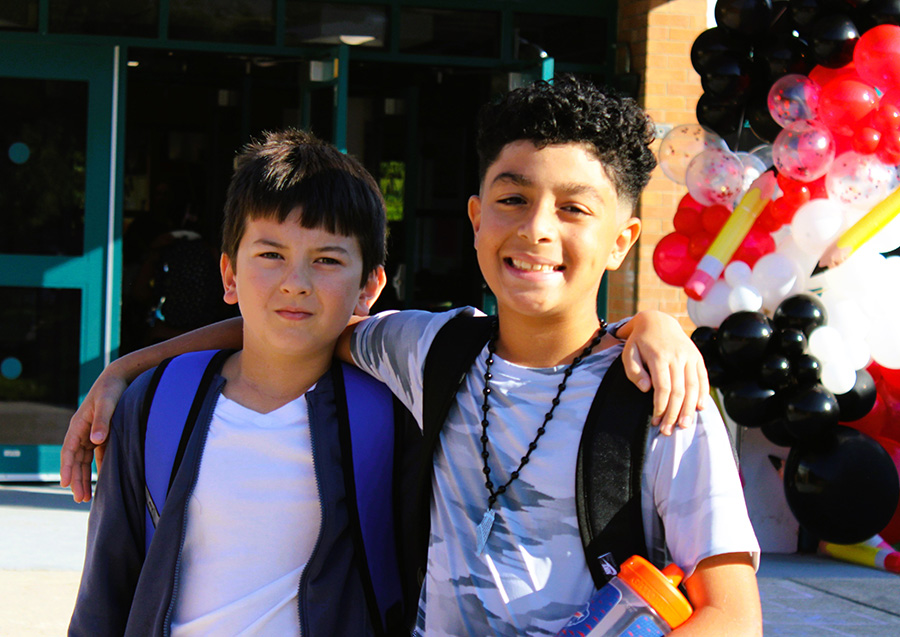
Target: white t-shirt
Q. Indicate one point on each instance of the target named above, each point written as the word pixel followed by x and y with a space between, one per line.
pixel 532 575
pixel 252 523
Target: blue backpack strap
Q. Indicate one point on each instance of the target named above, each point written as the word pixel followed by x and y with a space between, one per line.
pixel 171 405
pixel 370 416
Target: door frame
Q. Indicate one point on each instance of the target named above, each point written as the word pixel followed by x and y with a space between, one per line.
pixel 97 271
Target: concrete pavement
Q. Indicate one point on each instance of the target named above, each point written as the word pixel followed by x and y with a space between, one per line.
pixel 42 547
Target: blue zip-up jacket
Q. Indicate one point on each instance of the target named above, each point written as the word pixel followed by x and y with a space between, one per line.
pixel 122 593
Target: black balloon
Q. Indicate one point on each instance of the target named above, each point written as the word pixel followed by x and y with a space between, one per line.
pixel 843 489
pixel 704 338
pixel 877 12
pixel 723 116
pixel 791 342
pixel 858 402
pixel 810 413
pixel 727 76
pixel 743 339
pixel 807 370
pixel 832 39
pixel 784 54
pixel 804 12
pixel 801 311
pixel 750 404
pixel 750 17
pixel 776 433
pixel 775 372
pixel 714 41
pixel 760 119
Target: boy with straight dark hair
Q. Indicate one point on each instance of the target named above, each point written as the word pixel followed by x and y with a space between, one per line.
pixel 255 536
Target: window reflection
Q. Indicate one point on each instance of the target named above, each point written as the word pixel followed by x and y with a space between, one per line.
pixel 43 140
pixel 18 15
pixel 246 21
pixel 449 32
pixel 102 17
pixel 38 363
pixel 321 23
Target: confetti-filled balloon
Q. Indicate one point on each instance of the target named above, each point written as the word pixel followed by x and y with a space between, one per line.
pixel 715 176
pixel 860 181
pixel 804 150
pixel 682 144
pixel 793 98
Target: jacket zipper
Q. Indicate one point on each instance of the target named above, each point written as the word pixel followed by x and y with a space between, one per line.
pixel 167 624
pixel 301 616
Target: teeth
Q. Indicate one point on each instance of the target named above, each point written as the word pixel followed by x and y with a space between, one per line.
pixel 532 267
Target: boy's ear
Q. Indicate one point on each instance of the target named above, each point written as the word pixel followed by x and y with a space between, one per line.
pixel 628 235
pixel 228 281
pixel 475 212
pixel 370 292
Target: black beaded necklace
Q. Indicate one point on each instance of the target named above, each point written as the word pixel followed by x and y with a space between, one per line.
pixel 487 522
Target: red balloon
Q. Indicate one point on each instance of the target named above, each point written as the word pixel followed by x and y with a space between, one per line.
pixel 671 260
pixel 887 117
pixel 866 139
pixel 755 245
pixel 766 221
pixel 891 532
pixel 877 56
pixel 700 243
pixel 714 217
pixel 689 202
pixel 687 221
pixel 843 102
pixel 822 75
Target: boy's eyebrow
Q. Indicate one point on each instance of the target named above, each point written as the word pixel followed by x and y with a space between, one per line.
pixel 573 188
pixel 326 248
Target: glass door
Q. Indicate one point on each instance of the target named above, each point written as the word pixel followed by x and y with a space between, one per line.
pixel 59 289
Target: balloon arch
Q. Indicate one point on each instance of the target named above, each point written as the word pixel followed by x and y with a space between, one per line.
pixel 784 241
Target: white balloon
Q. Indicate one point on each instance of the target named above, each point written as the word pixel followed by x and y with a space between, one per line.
pixel 858 351
pixel 737 273
pixel 888 238
pixel 885 343
pixel 826 344
pixel 744 298
pixel 775 276
pixel 838 379
pixel 713 309
pixel 816 224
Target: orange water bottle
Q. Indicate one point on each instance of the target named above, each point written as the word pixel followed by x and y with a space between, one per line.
pixel 641 601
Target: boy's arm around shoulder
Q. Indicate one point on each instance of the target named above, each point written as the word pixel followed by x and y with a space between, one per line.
pixel 725 596
pixel 89 425
pixel 115 540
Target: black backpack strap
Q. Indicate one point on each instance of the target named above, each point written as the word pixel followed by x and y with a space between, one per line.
pixel 451 355
pixel 608 472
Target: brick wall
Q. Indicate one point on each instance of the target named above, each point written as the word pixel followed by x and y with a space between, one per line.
pixel 659 35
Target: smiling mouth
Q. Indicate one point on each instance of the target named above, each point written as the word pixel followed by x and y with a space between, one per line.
pixel 526 266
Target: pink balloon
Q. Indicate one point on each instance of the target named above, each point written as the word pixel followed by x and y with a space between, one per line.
pixel 877 56
pixel 804 151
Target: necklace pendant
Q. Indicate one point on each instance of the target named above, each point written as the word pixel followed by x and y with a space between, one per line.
pixel 484 529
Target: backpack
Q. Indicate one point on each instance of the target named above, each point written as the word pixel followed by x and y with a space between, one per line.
pixel 366 422
pixel 610 454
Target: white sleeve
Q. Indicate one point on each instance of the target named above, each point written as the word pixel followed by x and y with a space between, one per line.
pixel 392 346
pixel 690 481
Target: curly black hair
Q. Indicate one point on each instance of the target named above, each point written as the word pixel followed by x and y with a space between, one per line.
pixel 572 110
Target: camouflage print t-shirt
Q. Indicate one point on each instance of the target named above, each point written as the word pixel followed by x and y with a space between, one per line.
pixel 531 576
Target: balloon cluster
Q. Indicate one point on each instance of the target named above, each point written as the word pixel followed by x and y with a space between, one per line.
pixel 812 89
